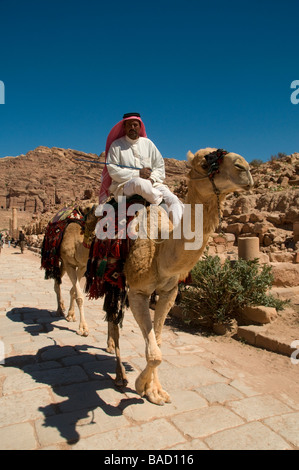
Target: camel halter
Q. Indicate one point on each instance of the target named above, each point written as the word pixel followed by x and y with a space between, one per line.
pixel 87 232
pixel 213 159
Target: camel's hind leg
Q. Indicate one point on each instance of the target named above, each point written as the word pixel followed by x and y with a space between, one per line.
pixel 113 345
pixel 57 288
pixel 147 383
pixel 75 276
pixel 110 339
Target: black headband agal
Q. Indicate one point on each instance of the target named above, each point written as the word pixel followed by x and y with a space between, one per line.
pixel 128 115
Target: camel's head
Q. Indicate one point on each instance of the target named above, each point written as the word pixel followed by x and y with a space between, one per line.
pixel 230 171
pixel 88 212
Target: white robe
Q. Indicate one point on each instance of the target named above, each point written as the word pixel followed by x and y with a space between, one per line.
pixel 140 153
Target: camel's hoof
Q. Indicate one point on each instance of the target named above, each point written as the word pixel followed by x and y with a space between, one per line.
pixel 110 349
pixel 158 397
pixel 59 313
pixel 70 318
pixel 120 382
pixel 153 393
pixel 82 332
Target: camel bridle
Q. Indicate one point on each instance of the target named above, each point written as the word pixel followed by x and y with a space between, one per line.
pixel 88 233
pixel 214 160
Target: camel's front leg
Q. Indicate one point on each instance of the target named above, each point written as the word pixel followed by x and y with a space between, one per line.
pixel 71 316
pixel 165 301
pixel 164 304
pixel 147 383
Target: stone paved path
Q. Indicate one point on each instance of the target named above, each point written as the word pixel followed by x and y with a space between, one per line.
pixel 56 390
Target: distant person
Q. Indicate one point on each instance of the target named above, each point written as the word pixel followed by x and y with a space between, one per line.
pixel 22 241
pixel 135 166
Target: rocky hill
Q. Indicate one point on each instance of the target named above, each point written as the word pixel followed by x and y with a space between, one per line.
pixel 45 179
pixel 270 210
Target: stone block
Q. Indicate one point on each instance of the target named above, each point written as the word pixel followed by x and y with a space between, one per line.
pixel 287 426
pixel 285 274
pixel 207 421
pixel 155 435
pixel 22 433
pixel 219 393
pixel 247 333
pixel 259 407
pixel 266 342
pixel 259 314
pixel 235 229
pixel 251 436
pixel 21 407
pixel 282 257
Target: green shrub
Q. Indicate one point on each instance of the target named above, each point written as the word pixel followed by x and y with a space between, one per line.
pixel 218 290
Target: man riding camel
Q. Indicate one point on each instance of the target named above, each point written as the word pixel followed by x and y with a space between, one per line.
pixel 134 165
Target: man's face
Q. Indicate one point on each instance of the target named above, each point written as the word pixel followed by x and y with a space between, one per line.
pixel 132 128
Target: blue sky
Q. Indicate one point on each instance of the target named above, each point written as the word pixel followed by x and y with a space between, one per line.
pixel 201 73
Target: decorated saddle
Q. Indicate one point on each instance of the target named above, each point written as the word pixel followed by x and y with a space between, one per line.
pixel 107 256
pixel 50 253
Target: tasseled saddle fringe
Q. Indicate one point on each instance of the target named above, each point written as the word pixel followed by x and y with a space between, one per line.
pixel 116 300
pixel 54 273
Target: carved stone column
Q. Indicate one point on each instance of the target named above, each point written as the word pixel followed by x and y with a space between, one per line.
pixel 248 248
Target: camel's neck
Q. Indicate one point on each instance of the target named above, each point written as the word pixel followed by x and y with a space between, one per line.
pixel 210 209
pixel 89 228
pixel 201 217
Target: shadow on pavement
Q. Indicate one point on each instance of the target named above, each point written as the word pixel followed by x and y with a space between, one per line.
pixel 37 320
pixel 74 373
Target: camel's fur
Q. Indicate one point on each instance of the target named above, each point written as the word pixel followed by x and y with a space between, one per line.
pixel 74 257
pixel 154 266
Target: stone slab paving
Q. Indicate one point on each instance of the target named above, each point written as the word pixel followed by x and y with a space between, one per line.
pixel 57 392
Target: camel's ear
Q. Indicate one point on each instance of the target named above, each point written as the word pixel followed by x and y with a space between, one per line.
pixel 190 157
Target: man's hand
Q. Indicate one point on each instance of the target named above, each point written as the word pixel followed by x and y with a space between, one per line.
pixel 145 173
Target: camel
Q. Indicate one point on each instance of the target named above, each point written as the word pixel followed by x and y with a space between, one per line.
pixel 74 257
pixel 159 266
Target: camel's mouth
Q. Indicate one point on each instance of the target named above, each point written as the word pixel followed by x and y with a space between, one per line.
pixel 244 187
pixel 250 183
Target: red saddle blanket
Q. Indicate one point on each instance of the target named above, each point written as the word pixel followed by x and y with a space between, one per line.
pixel 104 272
pixel 50 253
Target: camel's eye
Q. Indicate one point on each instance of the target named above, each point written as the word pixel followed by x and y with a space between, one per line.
pixel 204 165
pixel 240 167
